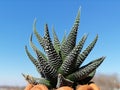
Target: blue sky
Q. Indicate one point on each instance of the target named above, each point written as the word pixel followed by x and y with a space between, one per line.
pixel 100 17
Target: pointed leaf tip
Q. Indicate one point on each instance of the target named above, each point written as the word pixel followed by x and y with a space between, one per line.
pixel 34 24
pixel 78 14
pixel 23 74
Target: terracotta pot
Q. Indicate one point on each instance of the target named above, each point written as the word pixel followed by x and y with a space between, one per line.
pixel 94 86
pixel 65 88
pixel 84 87
pixel 36 87
pixel 29 86
pixel 91 86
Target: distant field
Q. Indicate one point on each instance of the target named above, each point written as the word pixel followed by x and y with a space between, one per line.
pixel 11 88
pixel 107 82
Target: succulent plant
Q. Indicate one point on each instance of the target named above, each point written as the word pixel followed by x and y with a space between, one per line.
pixel 61 63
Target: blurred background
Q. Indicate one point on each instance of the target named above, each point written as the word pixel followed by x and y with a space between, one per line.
pixel 100 17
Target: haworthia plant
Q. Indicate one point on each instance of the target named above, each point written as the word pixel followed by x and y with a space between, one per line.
pixel 61 65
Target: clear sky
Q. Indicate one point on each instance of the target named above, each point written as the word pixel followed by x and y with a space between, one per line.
pixel 100 17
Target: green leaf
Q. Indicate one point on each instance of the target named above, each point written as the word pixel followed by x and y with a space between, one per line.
pixel 64 39
pixel 56 41
pixel 35 62
pixel 53 58
pixel 39 38
pixel 61 81
pixel 34 80
pixel 85 53
pixel 71 39
pixel 49 71
pixel 35 48
pixel 84 71
pixel 68 66
pixel 88 78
